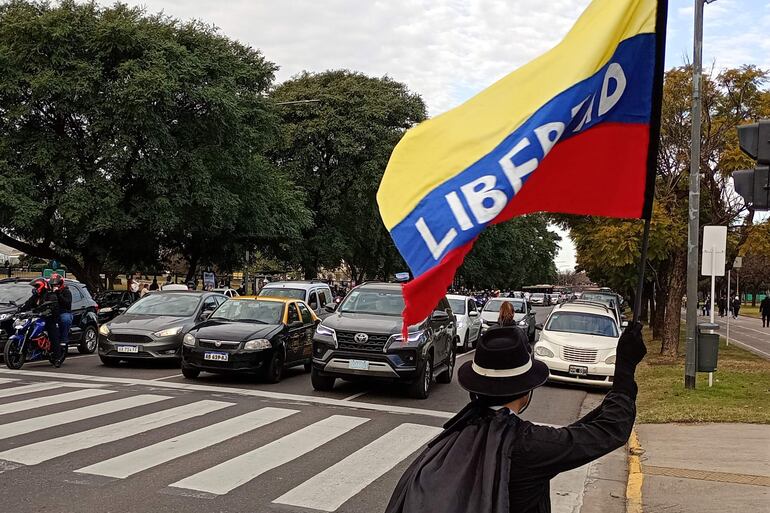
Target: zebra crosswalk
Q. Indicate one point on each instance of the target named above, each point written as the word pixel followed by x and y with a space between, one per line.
pixel 121 434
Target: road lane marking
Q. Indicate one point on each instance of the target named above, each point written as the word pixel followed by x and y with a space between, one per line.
pixel 49 449
pixel 177 375
pixel 3 381
pixel 41 387
pixel 145 458
pixel 279 396
pixel 31 404
pixel 334 486
pixel 87 412
pixel 355 396
pixel 238 471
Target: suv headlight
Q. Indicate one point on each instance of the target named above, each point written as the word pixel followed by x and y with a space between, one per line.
pixel 325 331
pixel 610 360
pixel 189 340
pixel 543 351
pixel 170 332
pixel 18 324
pixel 104 330
pixel 257 344
pixel 106 309
pixel 413 338
pixel 4 316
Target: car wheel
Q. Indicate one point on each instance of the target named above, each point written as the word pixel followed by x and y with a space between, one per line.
pixel 88 344
pixel 321 383
pixel 420 389
pixel 446 376
pixel 274 371
pixel 190 372
pixel 109 361
pixel 467 342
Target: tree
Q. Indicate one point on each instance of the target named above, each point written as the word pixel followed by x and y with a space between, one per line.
pixel 755 273
pixel 511 255
pixel 125 137
pixel 730 98
pixel 336 148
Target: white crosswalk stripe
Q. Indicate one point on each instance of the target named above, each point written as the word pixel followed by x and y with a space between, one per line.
pixel 334 486
pixel 48 449
pixel 3 381
pixel 57 419
pixel 151 456
pixel 238 471
pixel 39 402
pixel 42 387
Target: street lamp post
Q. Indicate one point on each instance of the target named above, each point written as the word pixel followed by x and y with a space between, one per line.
pixel 694 203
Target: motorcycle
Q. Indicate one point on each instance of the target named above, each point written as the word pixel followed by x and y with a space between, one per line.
pixel 29 343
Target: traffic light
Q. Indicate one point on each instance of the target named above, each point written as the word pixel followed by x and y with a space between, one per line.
pixel 754 184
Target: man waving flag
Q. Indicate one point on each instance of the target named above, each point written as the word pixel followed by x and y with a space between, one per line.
pixel 574 131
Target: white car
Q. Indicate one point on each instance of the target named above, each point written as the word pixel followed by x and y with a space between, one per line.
pixel 231 293
pixel 468 320
pixel 522 314
pixel 578 343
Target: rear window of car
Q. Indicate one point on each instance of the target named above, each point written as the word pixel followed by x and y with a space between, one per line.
pixel 583 323
pixel 458 306
pixel 495 304
pixel 283 292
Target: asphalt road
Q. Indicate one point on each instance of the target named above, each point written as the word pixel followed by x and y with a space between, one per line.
pixel 142 438
pixel 747 333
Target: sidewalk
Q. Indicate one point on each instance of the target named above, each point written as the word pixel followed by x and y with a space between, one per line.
pixel 705 468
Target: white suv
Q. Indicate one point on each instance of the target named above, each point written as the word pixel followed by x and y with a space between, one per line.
pixel 468 320
pixel 316 294
pixel 578 343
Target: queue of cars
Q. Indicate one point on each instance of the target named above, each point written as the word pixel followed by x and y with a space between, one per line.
pixel 299 324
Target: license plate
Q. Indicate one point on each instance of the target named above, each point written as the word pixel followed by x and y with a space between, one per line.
pixel 219 357
pixel 128 349
pixel 358 364
pixel 578 370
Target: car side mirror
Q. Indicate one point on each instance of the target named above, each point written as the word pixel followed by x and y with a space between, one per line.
pixel 330 307
pixel 474 313
pixel 624 324
pixel 539 326
pixel 122 309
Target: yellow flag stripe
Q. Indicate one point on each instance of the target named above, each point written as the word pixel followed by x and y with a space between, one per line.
pixel 444 146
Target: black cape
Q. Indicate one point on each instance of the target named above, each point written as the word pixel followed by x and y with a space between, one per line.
pixel 494 462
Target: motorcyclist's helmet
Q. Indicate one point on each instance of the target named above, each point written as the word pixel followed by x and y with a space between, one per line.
pixel 56 281
pixel 40 285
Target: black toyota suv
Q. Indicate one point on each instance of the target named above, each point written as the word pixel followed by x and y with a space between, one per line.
pixel 362 338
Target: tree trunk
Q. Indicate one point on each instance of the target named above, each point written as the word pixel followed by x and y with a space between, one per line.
pixel 677 283
pixel 192 270
pixel 88 273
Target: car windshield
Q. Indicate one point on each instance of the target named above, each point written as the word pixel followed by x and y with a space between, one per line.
pixel 495 304
pixel 583 323
pixel 605 299
pixel 458 306
pixel 14 292
pixel 263 312
pixel 282 292
pixel 380 302
pixel 177 305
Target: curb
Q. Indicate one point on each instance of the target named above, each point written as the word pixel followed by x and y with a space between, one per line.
pixel 635 475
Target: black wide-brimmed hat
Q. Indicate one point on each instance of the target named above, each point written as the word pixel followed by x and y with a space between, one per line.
pixel 502 365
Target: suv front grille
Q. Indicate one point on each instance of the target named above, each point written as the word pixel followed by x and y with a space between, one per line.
pixel 375 343
pixel 129 338
pixel 578 354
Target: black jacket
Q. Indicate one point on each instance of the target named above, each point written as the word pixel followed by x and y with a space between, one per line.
pixel 46 305
pixel 764 307
pixel 64 298
pixel 494 462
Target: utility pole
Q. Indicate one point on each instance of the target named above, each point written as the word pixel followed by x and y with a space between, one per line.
pixel 694 204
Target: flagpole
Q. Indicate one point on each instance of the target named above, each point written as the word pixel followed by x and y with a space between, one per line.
pixel 642 265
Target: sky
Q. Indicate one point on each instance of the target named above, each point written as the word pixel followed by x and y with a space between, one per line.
pixel 448 50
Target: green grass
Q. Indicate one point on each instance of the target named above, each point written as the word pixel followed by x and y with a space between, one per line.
pixel 741 391
pixel 749 311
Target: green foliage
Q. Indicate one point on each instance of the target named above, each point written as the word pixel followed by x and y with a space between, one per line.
pixel 124 137
pixel 336 149
pixel 511 255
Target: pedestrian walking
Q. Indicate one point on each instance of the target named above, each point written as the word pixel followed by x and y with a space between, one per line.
pixel 144 290
pixel 488 459
pixel 154 285
pixel 736 306
pixel 722 303
pixel 764 310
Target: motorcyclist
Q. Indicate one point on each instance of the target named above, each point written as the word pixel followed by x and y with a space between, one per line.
pixel 63 296
pixel 44 303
